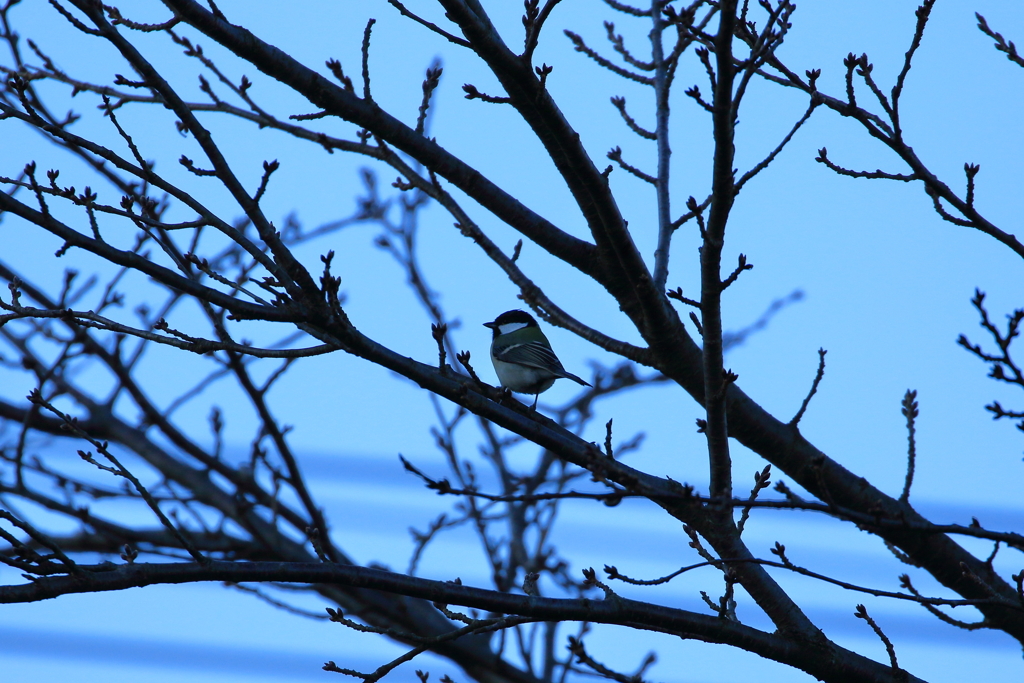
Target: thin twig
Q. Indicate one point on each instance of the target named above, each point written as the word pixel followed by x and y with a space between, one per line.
pixel 814 388
pixel 909 410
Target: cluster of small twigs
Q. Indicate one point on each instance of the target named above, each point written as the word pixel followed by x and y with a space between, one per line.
pixel 1003 368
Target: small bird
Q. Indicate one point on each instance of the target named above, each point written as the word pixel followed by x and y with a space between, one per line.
pixel 522 355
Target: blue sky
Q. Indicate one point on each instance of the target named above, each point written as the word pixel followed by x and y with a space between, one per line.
pixel 887 287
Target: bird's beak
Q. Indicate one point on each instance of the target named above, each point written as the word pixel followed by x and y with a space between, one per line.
pixel 491 325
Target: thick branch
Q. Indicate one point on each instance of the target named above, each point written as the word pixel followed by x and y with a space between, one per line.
pixel 339 102
pixel 241 309
pixel 833 663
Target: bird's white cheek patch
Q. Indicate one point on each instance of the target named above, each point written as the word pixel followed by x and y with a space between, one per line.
pixel 510 327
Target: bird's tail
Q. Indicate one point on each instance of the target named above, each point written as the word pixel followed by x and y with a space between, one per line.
pixel 574 378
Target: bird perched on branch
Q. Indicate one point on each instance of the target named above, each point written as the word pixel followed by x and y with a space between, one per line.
pixel 522 355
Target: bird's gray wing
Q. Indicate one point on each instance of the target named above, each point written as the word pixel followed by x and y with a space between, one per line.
pixel 532 355
pixel 535 355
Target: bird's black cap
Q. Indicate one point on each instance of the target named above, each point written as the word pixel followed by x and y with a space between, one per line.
pixel 513 316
